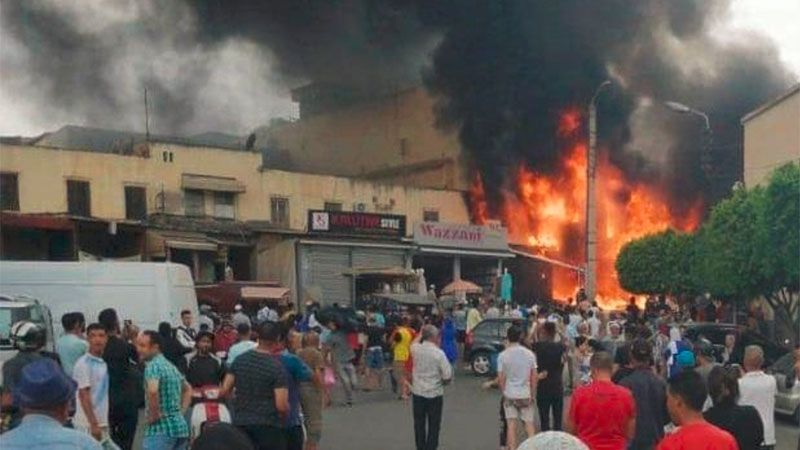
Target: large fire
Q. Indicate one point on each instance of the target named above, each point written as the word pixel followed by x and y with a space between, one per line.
pixel 546 212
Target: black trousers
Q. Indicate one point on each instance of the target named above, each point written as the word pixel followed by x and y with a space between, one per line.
pixel 427 421
pixel 122 422
pixel 294 438
pixel 265 437
pixel 546 403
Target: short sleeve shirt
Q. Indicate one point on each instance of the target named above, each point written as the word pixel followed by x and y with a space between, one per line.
pixel 601 411
pixel 256 376
pixel 312 357
pixel 92 372
pixel 516 363
pixel 698 436
pixel 69 348
pixel 170 387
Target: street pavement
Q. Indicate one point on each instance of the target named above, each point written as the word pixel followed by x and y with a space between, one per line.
pixel 470 422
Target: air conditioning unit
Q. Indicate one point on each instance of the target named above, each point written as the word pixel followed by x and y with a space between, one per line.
pixel 360 207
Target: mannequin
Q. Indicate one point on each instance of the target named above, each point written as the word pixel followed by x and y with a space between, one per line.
pixel 506 286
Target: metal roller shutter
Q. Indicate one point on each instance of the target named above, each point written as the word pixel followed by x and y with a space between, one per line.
pixel 378 258
pixel 321 268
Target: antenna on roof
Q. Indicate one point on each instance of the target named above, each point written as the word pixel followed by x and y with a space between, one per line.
pixel 146 117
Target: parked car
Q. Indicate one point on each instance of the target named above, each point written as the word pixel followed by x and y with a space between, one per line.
pixel 486 341
pixel 787 399
pixel 716 332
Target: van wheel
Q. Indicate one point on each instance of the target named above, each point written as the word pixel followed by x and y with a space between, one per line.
pixel 481 364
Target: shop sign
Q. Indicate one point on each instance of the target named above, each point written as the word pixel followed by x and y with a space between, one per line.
pixel 476 237
pixel 355 223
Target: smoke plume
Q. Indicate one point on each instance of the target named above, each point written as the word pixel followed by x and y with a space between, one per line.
pixel 503 72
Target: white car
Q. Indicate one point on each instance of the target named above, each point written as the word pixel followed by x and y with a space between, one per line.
pixel 17 308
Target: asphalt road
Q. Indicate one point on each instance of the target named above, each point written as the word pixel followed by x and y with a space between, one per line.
pixel 470 421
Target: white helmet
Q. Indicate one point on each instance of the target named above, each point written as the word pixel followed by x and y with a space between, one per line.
pixel 28 336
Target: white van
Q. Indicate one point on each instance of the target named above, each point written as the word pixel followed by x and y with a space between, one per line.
pixel 145 293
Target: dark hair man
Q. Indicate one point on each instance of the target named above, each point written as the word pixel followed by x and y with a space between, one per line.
pixel 185 333
pixel 602 414
pixel 516 375
pixel 244 344
pixel 550 358
pixel 650 394
pixel 171 347
pixel 167 397
pixel 125 382
pixel 205 369
pixel 72 344
pixel 44 392
pixel 686 394
pixel 262 399
pixel 741 421
pixel 91 374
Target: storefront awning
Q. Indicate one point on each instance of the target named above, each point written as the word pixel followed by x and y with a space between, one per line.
pixel 159 241
pixel 547 260
pixel 211 183
pixel 264 293
pixel 204 246
pixel 36 221
pixel 340 243
pixel 386 271
pixel 462 252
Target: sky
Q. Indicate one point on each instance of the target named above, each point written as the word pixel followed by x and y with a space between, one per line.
pixel 777 19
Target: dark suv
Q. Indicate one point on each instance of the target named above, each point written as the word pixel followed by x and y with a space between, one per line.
pixel 716 332
pixel 486 341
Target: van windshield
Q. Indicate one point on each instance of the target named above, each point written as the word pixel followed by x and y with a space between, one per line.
pixel 9 315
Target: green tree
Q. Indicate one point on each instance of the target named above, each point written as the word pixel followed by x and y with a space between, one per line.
pixel 662 263
pixel 751 246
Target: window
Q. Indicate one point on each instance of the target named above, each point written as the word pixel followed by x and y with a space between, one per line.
pixel 79 198
pixel 333 206
pixel 279 209
pixel 224 205
pixel 135 203
pixel 9 192
pixel 430 215
pixel 194 202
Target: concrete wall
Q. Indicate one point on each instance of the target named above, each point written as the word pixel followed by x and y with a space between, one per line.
pixel 42 174
pixel 375 139
pixel 771 138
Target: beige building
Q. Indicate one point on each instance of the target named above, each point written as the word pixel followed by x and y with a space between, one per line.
pixel 214 209
pixel 771 136
pixel 391 138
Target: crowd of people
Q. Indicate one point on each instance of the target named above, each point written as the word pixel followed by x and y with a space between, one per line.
pixel 633 379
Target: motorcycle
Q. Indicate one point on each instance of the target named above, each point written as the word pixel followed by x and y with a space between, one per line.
pixel 207 408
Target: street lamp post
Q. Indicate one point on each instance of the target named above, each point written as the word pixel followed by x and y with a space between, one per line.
pixel 705 158
pixel 591 203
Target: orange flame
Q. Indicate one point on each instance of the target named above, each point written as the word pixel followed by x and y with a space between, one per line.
pixel 547 212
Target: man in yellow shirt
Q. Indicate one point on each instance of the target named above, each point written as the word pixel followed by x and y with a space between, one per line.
pixel 401 348
pixel 473 318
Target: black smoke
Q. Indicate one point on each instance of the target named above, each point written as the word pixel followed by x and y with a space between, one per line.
pixel 502 71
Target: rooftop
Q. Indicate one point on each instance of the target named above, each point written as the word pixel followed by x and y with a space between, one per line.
pixel 764 107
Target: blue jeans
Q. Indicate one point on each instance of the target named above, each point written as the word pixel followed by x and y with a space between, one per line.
pixel 161 442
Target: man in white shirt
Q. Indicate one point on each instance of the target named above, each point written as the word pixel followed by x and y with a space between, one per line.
pixel 431 372
pixel 516 375
pixel 758 389
pixel 594 324
pixel 185 333
pixel 91 375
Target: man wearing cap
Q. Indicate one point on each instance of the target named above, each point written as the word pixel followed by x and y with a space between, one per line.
pixel 430 373
pixel 43 393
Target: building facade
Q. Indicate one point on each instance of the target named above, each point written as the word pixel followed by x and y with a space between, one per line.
pixel 771 136
pixel 217 210
pixel 391 138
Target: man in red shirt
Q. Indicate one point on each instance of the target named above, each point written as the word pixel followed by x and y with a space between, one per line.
pixel 686 394
pixel 601 413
